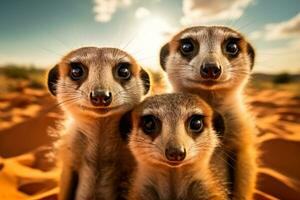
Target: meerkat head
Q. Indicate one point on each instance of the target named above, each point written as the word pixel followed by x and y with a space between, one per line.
pixel 98 81
pixel 208 58
pixel 173 130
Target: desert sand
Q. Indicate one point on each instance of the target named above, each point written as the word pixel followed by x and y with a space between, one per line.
pixel 28 172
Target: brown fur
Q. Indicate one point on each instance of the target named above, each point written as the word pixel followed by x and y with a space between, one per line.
pixel 225 95
pixel 91 145
pixel 192 178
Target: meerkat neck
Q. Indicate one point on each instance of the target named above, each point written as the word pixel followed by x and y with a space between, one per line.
pixel 216 98
pixel 163 181
pixel 168 181
pixel 99 127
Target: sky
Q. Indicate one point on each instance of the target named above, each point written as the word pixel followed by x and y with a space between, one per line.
pixel 40 32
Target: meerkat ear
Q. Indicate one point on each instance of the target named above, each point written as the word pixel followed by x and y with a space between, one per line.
pixel 218 123
pixel 53 76
pixel 163 56
pixel 251 53
pixel 125 125
pixel 146 80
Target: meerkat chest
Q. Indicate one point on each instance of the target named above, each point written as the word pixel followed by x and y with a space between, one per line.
pixel 174 187
pixel 102 167
pixel 234 114
pixel 104 150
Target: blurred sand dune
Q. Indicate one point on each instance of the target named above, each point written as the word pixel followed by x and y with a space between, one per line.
pixel 25 121
pixel 26 173
pixel 278 117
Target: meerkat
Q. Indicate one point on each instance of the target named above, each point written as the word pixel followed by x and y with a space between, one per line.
pixel 95 87
pixel 215 63
pixel 172 138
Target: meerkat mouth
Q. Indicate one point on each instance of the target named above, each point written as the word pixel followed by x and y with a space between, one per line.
pixel 172 163
pixel 101 110
pixel 204 82
pixel 209 82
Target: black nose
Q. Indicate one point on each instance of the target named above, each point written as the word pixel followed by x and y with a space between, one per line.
pixel 175 154
pixel 101 97
pixel 210 70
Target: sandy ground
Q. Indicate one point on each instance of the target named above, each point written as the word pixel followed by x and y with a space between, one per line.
pixel 27 173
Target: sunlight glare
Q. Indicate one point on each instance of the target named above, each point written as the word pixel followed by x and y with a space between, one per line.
pixel 149 38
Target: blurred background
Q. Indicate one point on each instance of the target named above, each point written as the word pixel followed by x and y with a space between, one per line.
pixel 35 34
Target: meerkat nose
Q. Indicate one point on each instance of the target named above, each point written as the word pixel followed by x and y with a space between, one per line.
pixel 210 70
pixel 175 153
pixel 99 97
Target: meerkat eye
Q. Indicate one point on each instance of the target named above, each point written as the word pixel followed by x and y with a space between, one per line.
pixel 231 47
pixel 187 46
pixel 77 71
pixel 122 71
pixel 195 123
pixel 150 124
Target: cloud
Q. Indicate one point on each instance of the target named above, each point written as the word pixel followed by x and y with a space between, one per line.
pixel 279 59
pixel 277 31
pixel 282 30
pixel 286 57
pixel 255 35
pixel 105 9
pixel 142 12
pixel 200 11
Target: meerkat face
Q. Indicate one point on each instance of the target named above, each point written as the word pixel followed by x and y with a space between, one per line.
pixel 207 58
pixel 98 81
pixel 173 130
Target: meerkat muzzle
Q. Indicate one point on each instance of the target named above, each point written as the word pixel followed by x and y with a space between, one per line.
pixel 210 68
pixel 175 154
pixel 99 97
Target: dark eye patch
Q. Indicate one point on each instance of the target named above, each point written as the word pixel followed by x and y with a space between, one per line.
pixel 231 47
pixel 188 48
pixel 122 72
pixel 195 125
pixel 150 125
pixel 77 72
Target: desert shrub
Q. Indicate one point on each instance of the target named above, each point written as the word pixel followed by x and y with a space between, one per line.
pixel 35 84
pixel 19 72
pixel 15 72
pixel 282 78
